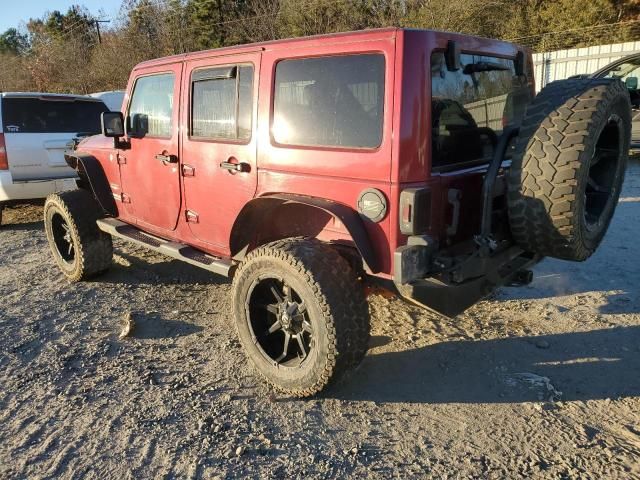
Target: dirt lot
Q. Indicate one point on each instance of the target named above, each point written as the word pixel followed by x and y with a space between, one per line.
pixel 539 382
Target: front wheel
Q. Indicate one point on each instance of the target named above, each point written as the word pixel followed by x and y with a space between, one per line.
pixel 301 315
pixel 79 247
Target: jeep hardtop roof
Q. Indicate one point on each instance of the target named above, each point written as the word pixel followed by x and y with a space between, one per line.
pixel 502 47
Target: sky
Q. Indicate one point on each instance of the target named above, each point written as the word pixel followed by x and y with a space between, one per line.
pixel 16 12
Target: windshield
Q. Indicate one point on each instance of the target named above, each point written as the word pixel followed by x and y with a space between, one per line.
pixel 628 73
pixel 55 115
pixel 628 69
pixel 471 106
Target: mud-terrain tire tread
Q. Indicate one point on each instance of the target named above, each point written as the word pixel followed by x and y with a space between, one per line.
pixel 93 247
pixel 340 297
pixel 544 181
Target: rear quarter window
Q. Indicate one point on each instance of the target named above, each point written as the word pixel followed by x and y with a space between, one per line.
pixel 330 101
pixel 38 115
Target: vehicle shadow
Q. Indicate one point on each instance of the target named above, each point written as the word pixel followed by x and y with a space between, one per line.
pixel 23 226
pixel 612 271
pixel 136 269
pixel 588 365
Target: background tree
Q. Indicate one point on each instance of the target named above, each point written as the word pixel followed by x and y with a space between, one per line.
pixel 13 42
pixel 60 51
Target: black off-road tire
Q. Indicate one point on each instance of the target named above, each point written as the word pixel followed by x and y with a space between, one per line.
pixel 567 125
pixel 335 302
pixel 91 249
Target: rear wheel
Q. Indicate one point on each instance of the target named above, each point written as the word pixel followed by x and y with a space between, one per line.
pixel 80 249
pixel 568 167
pixel 301 314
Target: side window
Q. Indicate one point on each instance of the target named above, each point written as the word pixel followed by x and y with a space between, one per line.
pixel 330 101
pixel 222 103
pixel 151 107
pixel 471 106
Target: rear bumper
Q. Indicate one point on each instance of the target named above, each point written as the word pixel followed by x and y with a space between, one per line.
pixel 453 291
pixel 31 189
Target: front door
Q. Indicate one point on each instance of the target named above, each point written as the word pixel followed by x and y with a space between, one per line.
pixel 219 147
pixel 150 165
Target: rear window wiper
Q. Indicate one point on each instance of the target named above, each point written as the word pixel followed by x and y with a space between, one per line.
pixel 483 67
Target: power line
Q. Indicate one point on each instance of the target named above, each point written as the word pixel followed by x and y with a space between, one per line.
pixel 591 27
pixel 583 36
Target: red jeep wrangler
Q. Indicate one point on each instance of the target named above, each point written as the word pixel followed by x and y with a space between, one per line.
pixel 303 167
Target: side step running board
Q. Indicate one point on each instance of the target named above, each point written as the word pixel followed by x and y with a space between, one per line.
pixel 176 250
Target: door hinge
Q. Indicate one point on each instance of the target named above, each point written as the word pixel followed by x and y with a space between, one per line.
pixel 122 197
pixel 192 217
pixel 188 171
pixel 121 159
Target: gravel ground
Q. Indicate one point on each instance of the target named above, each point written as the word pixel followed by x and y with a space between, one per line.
pixel 538 382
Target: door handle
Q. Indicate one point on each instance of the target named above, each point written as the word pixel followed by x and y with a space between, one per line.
pixel 165 159
pixel 236 167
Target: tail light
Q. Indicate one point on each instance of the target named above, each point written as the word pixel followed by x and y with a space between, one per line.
pixel 4 161
pixel 415 211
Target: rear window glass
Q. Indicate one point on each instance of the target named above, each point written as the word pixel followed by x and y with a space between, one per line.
pixel 470 107
pixel 330 101
pixel 36 115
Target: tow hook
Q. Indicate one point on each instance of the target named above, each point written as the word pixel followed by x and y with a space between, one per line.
pixel 521 278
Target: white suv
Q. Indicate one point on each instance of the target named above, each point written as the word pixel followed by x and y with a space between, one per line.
pixel 35 131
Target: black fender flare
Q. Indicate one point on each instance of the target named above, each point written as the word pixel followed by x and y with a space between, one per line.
pixel 260 208
pixel 91 172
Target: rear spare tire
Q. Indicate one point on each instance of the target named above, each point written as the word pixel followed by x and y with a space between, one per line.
pixel 568 167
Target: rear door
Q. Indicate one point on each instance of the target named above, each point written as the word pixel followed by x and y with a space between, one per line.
pixel 38 130
pixel 219 148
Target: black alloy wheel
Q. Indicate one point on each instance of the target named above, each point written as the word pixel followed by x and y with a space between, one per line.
pixel 62 238
pixel 603 167
pixel 279 320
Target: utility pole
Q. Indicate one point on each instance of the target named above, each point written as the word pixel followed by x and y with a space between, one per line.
pixel 97 23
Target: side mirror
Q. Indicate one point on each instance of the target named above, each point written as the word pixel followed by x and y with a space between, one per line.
pixel 112 124
pixel 631 83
